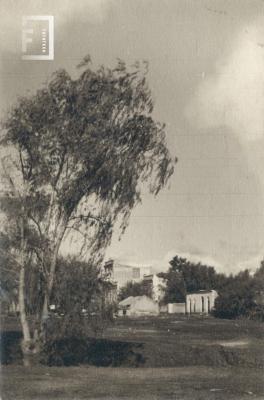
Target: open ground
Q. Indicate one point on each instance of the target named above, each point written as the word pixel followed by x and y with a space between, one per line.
pixel 163 358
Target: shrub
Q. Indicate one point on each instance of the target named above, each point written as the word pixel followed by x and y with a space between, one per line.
pixel 74 350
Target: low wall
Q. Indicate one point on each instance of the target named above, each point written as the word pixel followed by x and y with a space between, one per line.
pixel 176 308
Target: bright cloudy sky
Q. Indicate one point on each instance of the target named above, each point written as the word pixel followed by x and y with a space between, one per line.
pixel 207 77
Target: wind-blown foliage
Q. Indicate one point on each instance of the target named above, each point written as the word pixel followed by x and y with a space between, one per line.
pixel 89 137
pixel 81 151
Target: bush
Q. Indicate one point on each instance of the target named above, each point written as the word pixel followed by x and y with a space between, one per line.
pixel 84 350
pixel 10 347
pixel 237 298
pixel 233 305
pixel 257 313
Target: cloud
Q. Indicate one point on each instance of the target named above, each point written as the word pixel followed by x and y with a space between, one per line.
pixel 234 94
pixel 193 254
pixel 93 11
pixel 251 264
pixel 196 257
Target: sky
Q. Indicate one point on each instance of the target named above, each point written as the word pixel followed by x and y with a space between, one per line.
pixel 206 73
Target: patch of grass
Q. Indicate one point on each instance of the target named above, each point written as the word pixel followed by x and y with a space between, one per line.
pixel 186 383
pixel 170 341
pixel 189 355
pixel 181 341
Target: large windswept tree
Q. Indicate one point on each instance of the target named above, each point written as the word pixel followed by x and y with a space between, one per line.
pixel 81 150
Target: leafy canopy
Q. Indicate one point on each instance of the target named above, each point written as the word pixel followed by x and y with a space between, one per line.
pixel 86 145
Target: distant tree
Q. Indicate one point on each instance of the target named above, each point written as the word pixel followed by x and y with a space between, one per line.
pixel 185 277
pixel 240 295
pixel 134 289
pixel 175 290
pixel 196 276
pixel 80 150
pixel 259 278
pixel 257 312
pixel 237 298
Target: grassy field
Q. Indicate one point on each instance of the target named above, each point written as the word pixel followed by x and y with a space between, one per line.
pixel 180 358
pixel 183 383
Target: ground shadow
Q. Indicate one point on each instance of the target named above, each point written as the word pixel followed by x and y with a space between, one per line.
pixel 76 351
pixel 10 350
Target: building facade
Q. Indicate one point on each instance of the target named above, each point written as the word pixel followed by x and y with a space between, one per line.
pixel 201 302
pixel 121 274
pixel 138 306
pixel 176 308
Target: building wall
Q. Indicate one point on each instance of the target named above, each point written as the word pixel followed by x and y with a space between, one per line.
pixel 176 308
pixel 200 302
pixel 121 274
pixel 164 308
pixel 144 307
pixel 139 306
pixel 110 294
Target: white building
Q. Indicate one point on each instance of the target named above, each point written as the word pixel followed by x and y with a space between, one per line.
pixel 176 308
pixel 121 274
pixel 138 306
pixel 201 302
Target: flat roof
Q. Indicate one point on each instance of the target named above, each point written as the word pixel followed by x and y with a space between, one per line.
pixel 202 291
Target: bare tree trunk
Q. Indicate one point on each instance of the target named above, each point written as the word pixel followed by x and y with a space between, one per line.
pixel 51 278
pixel 27 341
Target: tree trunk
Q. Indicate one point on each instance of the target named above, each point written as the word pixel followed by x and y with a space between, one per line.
pixel 54 257
pixel 26 343
pixel 29 345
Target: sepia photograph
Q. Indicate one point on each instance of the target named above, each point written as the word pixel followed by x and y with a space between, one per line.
pixel 132 200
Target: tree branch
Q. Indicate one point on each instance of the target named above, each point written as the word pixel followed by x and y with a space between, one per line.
pixel 57 177
pixel 37 224
pixel 76 229
pixel 21 162
pixel 13 257
pixel 86 217
pixel 8 177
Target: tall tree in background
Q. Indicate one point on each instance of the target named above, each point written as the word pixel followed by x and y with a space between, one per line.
pixel 237 297
pixel 80 151
pixel 196 276
pixel 185 277
pixel 259 278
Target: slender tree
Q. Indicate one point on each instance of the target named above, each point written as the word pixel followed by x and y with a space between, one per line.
pixel 80 151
